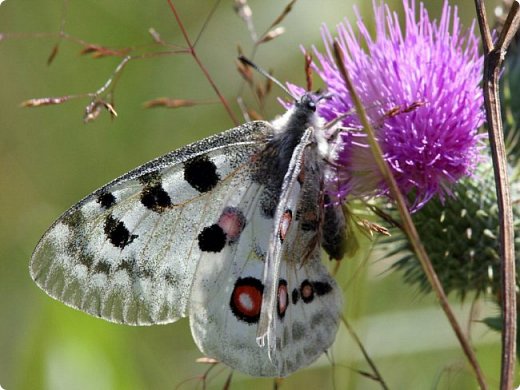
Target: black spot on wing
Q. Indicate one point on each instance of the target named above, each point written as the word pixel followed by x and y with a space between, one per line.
pixel 201 173
pixel 117 233
pixel 155 198
pixel 295 295
pixel 102 267
pixel 310 289
pixel 322 288
pixel 106 200
pixel 212 239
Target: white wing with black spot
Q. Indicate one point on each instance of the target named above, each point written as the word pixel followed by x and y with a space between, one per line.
pixel 128 251
pixel 294 292
pixel 225 309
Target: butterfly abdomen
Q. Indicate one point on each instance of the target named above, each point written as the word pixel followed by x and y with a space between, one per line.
pixel 334 234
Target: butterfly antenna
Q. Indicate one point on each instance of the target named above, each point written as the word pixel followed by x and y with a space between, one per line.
pixel 248 62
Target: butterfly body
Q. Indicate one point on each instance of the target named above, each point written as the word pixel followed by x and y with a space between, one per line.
pixel 226 231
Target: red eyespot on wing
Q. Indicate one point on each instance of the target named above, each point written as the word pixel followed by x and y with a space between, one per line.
pixel 306 291
pixel 246 299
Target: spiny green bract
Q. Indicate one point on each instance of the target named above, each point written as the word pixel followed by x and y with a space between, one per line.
pixel 461 237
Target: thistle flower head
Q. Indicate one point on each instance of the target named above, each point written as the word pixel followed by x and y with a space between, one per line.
pixel 420 86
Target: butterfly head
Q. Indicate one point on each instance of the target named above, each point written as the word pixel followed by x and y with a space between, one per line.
pixel 303 113
pixel 307 103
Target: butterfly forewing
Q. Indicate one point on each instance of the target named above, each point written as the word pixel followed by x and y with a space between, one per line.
pixel 128 252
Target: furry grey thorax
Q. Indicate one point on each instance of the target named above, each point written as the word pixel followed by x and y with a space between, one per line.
pixel 275 158
pixel 299 118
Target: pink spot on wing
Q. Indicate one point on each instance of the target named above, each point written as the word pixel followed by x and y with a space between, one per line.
pixel 285 223
pixel 246 299
pixel 232 222
pixel 283 298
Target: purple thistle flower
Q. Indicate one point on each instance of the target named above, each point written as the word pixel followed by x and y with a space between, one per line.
pixel 432 68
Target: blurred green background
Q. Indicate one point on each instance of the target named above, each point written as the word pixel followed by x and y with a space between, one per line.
pixel 49 160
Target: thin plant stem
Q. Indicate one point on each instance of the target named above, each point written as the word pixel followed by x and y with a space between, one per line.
pixel 408 225
pixel 193 52
pixel 367 357
pixel 494 55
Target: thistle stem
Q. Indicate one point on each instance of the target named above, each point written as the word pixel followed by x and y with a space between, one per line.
pixel 494 55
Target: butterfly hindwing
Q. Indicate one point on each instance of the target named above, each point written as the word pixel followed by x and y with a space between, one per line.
pixel 225 309
pixel 229 296
pixel 128 251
